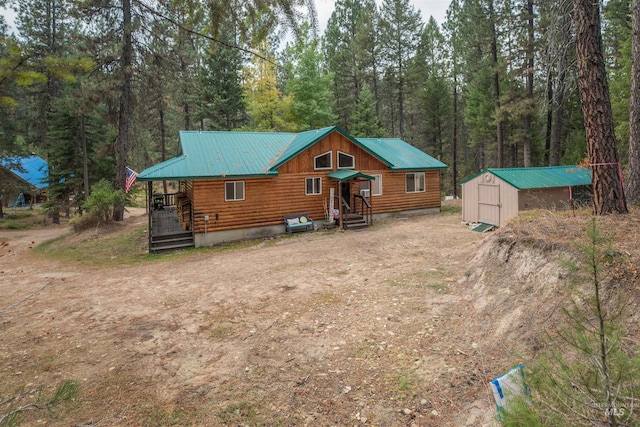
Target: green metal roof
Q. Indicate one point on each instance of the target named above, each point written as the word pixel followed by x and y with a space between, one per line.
pixel 540 177
pixel 400 155
pixel 249 154
pixel 221 154
pixel 347 174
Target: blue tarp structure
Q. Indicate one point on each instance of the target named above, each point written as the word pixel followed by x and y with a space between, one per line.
pixel 33 169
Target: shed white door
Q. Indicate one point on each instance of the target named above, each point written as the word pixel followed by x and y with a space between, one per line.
pixel 489 203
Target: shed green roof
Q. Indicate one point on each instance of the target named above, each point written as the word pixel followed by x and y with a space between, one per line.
pixel 252 154
pixel 540 177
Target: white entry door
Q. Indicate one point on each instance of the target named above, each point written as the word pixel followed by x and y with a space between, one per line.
pixel 489 204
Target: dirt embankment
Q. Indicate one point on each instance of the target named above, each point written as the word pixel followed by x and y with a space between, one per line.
pixel 519 281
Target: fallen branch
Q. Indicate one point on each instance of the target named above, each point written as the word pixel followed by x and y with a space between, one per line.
pixel 27 297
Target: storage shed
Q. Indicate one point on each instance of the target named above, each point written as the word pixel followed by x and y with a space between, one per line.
pixel 493 196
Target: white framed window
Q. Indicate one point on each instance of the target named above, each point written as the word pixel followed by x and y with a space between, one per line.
pixel 323 161
pixel 233 190
pixel 346 161
pixel 376 185
pixel 313 185
pixel 415 182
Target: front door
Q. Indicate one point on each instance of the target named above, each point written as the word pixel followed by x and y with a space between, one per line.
pixel 489 204
pixel 345 191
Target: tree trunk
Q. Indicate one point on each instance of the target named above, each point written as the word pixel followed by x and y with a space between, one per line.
pixel 187 116
pixel 558 118
pixel 401 101
pixel 122 143
pixel 85 156
pixel 496 85
pixel 528 118
pixel 608 196
pixel 547 137
pixel 633 185
pixel 454 143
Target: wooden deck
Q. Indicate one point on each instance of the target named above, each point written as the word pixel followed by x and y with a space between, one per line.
pixel 166 231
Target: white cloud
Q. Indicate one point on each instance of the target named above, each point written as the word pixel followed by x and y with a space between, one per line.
pixel 435 8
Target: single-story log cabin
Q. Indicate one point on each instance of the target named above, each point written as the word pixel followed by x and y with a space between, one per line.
pixel 239 185
pixel 494 196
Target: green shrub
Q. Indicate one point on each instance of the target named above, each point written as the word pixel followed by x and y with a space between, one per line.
pixel 12 225
pixel 102 201
pixel 88 220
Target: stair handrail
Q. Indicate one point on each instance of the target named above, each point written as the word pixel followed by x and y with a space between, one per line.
pixel 364 203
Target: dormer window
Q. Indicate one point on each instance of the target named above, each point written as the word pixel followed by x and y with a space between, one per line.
pixel 323 161
pixel 346 161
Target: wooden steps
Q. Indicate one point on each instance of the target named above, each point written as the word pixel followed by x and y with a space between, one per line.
pixel 171 241
pixel 355 222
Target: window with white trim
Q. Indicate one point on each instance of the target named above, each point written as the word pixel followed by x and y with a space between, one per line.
pixel 323 161
pixel 313 185
pixel 415 182
pixel 233 190
pixel 346 161
pixel 376 185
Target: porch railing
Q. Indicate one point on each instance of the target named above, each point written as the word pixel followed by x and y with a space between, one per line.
pixel 363 207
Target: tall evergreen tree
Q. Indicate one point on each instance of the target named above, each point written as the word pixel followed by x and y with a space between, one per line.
pixel 633 186
pixel 608 196
pixel 432 95
pixel 308 84
pixel 221 103
pixel 451 30
pixel 268 109
pixel 340 46
pixel 367 50
pixel 366 123
pixel 400 31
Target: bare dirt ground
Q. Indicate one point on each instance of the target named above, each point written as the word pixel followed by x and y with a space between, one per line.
pixel 375 327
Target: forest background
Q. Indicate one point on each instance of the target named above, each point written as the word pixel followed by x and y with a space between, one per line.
pixel 96 85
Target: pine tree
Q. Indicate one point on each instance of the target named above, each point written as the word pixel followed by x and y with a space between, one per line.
pixel 308 84
pixel 268 109
pixel 633 186
pixel 221 103
pixel 340 46
pixel 367 50
pixel 366 123
pixel 400 31
pixel 432 95
pixel 608 196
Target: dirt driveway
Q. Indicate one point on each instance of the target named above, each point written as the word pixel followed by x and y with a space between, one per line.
pixel 355 328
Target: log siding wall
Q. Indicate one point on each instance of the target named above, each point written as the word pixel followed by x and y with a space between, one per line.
pixel 268 199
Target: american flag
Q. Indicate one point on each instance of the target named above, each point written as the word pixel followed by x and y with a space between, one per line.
pixel 131 179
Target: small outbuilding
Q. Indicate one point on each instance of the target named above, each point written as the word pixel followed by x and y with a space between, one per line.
pixel 493 196
pixel 26 176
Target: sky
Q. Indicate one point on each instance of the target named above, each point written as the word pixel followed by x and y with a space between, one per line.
pixel 435 8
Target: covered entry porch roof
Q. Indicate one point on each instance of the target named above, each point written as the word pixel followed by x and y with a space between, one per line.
pixel 349 174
